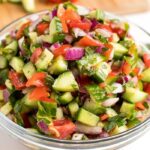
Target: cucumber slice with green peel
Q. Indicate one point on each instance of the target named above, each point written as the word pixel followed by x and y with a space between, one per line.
pixel 101 71
pixel 127 108
pixel 11 48
pixel 6 109
pixel 29 5
pixel 111 112
pixel 93 107
pixel 133 123
pixel 96 14
pixel 65 98
pixel 9 84
pixel 55 28
pixel 45 59
pixel 17 64
pixel 140 85
pixel 29 70
pixel 3 62
pixel 1 95
pixel 28 102
pixel 59 113
pixel 73 108
pixel 133 95
pixel 118 130
pixel 33 37
pixel 119 50
pixel 87 117
pixel 65 83
pixel 145 75
pixel 58 66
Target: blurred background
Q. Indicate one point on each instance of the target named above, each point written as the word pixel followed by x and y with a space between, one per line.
pixel 138 11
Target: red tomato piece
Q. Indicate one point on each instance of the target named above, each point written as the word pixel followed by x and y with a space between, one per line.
pixel 88 41
pixel 64 127
pixel 82 25
pixel 39 93
pixel 126 68
pixel 41 27
pixel 147 88
pixel 2 87
pixel 146 58
pixel 61 50
pixel 38 80
pixel 19 33
pixel 36 54
pixel 15 79
pixel 103 26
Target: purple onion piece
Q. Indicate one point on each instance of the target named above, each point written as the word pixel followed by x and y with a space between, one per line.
pixel 69 38
pixel 13 34
pixel 43 127
pixel 104 134
pixel 94 23
pixel 99 49
pixel 55 46
pixel 74 53
pixel 6 95
pixel 46 45
pixel 54 13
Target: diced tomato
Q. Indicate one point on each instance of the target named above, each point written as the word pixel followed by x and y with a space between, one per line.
pixel 19 33
pixel 46 99
pixel 139 105
pixel 41 27
pixel 38 80
pixel 102 85
pixel 64 128
pixel 147 88
pixel 70 15
pixel 103 26
pixel 112 74
pixel 61 50
pixel 110 52
pixel 126 68
pixel 60 14
pixel 36 54
pixel 74 1
pixel 15 79
pixel 2 87
pixel 56 1
pixel 146 58
pixel 79 24
pixel 136 70
pixel 104 117
pixel 88 41
pixel 39 93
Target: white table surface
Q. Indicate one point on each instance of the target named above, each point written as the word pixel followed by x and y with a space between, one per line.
pixel 8 143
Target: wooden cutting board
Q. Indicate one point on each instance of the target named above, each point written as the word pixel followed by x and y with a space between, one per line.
pixel 10 12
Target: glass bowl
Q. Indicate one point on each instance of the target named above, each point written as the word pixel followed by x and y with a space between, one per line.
pixel 36 141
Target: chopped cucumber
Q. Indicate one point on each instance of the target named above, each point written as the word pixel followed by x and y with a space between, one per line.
pixel 11 48
pixel 33 37
pixel 118 130
pixel 111 112
pixel 29 70
pixel 127 108
pixel 1 95
pixel 6 109
pixel 65 83
pixel 59 113
pixel 17 64
pixel 134 95
pixel 133 123
pixel 28 102
pixel 145 75
pixel 87 117
pixel 55 28
pixel 96 14
pixel 93 107
pixel 3 62
pixel 119 50
pixel 58 66
pixel 9 84
pixel 44 60
pixel 101 71
pixel 73 108
pixel 65 98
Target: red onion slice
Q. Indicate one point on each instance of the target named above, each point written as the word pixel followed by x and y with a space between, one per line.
pixel 110 102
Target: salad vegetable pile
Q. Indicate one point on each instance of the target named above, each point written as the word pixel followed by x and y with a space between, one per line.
pixel 72 74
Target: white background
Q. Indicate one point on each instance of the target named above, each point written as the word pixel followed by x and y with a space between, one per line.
pixel 8 143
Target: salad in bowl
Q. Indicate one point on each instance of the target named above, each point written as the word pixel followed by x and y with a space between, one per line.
pixel 74 75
